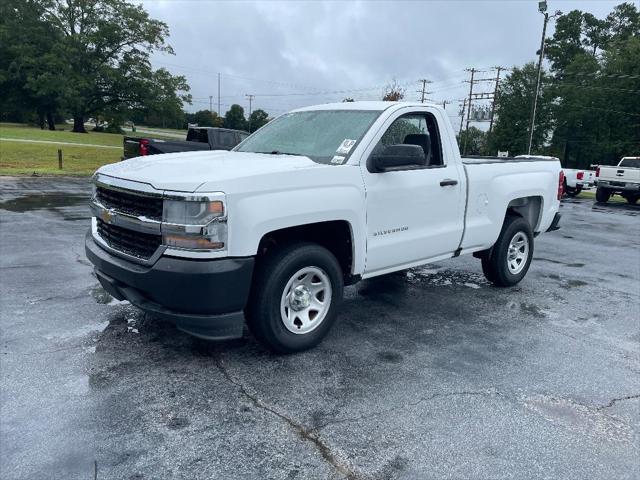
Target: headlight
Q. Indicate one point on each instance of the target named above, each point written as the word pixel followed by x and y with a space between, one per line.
pixel 187 212
pixel 194 224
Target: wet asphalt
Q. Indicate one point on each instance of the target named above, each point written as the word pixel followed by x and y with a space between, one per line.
pixel 430 373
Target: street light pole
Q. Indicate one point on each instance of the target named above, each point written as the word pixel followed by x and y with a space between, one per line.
pixel 542 8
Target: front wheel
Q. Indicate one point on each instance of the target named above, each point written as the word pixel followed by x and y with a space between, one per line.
pixel 511 255
pixel 295 297
pixel 602 195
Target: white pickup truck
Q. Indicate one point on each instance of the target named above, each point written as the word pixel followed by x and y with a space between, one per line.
pixel 623 179
pixel 321 197
pixel 577 180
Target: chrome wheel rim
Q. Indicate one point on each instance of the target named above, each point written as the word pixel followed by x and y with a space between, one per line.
pixel 518 253
pixel 305 300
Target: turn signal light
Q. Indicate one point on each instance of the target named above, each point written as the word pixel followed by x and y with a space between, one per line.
pixel 597 171
pixel 195 243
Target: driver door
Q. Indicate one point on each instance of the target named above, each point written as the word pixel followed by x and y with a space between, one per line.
pixel 413 213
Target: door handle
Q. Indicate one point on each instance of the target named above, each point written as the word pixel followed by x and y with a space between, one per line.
pixel 448 182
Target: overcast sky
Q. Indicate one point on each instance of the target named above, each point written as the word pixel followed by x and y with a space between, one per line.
pixel 291 54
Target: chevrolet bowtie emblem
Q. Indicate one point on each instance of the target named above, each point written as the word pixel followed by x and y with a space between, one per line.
pixel 106 216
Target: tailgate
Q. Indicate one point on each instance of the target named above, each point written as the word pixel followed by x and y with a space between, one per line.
pixel 131 147
pixel 620 174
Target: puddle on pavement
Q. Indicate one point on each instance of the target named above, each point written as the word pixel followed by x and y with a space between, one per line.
pixel 44 201
pixel 625 209
pixel 574 283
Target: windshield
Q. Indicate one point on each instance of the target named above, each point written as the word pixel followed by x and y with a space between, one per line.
pixel 325 136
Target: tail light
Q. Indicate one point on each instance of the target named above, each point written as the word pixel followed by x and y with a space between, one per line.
pixel 560 185
pixel 597 171
pixel 580 175
pixel 144 147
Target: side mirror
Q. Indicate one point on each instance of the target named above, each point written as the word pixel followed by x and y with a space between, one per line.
pixel 396 157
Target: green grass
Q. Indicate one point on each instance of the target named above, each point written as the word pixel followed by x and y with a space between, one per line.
pixel 592 195
pixel 167 130
pixel 17 158
pixel 33 133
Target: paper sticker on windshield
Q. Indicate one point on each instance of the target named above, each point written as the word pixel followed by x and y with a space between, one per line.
pixel 338 160
pixel 346 146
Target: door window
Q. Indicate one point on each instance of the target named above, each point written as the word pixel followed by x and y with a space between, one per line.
pixel 415 129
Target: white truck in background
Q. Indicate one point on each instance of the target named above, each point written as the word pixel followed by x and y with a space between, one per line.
pixel 321 197
pixel 576 180
pixel 623 180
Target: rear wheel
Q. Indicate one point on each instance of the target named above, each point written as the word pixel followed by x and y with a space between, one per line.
pixel 602 195
pixel 510 257
pixel 295 297
pixel 569 191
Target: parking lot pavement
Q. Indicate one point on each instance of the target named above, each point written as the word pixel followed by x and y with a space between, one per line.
pixel 430 373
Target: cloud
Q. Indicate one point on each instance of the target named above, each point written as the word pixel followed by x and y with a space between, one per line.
pixel 291 54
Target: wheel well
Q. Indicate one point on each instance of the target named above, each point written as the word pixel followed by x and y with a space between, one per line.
pixel 335 236
pixel 528 208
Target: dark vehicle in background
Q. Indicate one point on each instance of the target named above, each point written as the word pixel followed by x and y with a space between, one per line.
pixel 198 138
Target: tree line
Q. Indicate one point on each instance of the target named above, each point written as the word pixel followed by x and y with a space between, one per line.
pixel 86 59
pixel 589 104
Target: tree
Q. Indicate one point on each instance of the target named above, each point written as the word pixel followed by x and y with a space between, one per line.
pixel 393 92
pixel 30 78
pixel 258 119
pixel 164 98
pixel 595 66
pixel 513 112
pixel 206 118
pixel 476 141
pixel 234 118
pixel 105 46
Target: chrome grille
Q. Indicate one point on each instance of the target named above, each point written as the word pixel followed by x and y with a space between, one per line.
pixel 137 244
pixel 130 203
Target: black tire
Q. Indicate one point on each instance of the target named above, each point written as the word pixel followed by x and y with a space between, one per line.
pixel 578 190
pixel 495 265
pixel 632 200
pixel 569 191
pixel 602 195
pixel 273 272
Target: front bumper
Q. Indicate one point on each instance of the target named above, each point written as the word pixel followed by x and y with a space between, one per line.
pixel 205 298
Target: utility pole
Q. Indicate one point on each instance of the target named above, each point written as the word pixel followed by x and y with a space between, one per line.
pixel 250 97
pixel 464 105
pixel 424 92
pixel 464 147
pixel 210 103
pixel 542 8
pixel 219 113
pixel 495 97
pixel 445 103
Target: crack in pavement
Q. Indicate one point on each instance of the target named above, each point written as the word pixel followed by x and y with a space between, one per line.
pixel 616 400
pixel 488 392
pixel 309 435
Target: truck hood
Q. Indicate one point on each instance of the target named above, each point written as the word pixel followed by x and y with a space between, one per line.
pixel 186 172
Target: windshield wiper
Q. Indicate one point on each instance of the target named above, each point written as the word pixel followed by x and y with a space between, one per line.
pixel 278 152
